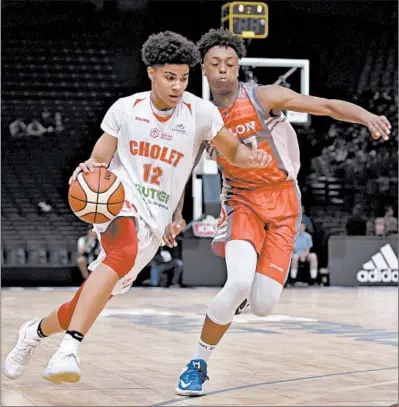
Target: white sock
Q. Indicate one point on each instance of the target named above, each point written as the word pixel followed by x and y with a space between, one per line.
pixel 203 351
pixel 31 332
pixel 294 273
pixel 313 273
pixel 70 345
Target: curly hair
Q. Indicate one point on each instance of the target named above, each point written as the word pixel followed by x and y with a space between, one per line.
pixel 221 37
pixel 169 48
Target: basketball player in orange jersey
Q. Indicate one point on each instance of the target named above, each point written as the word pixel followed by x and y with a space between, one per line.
pixel 150 141
pixel 261 208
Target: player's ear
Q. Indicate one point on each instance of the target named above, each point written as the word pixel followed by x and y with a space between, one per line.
pixel 151 72
pixel 203 69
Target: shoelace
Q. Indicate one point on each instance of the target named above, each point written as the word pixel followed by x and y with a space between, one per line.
pixel 193 374
pixel 65 355
pixel 23 352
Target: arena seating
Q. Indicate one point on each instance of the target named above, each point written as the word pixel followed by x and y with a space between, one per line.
pixel 372 183
pixel 62 77
pixel 78 80
pixel 380 69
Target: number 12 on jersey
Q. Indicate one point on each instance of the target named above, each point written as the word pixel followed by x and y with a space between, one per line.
pixel 152 174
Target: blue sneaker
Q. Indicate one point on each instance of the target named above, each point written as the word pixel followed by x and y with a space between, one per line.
pixel 192 378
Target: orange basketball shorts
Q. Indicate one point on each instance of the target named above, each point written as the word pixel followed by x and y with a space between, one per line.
pixel 269 218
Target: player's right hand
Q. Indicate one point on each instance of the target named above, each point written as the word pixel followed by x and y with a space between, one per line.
pixel 172 230
pixel 87 166
pixel 379 127
pixel 259 158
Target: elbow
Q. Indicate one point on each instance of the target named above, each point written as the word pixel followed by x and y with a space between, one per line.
pixel 234 157
pixel 241 156
pixel 334 108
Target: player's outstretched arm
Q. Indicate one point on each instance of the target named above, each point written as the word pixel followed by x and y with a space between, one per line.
pixel 101 156
pixel 278 97
pixel 237 153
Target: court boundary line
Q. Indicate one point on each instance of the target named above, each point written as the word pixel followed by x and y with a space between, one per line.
pixel 268 383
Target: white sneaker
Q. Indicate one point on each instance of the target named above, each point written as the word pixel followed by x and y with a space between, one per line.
pixel 63 367
pixel 18 359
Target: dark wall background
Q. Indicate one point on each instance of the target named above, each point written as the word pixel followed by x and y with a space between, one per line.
pixel 339 38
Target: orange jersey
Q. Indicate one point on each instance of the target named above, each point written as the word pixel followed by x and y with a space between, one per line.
pixel 260 205
pixel 249 121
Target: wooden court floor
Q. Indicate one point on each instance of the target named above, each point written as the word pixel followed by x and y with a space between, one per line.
pixel 322 346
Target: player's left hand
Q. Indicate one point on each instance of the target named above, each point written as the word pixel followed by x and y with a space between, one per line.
pixel 379 127
pixel 172 230
pixel 259 158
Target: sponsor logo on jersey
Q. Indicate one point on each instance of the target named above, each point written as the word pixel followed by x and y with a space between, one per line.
pixel 155 133
pixel 248 127
pixel 141 119
pixel 166 136
pixel 179 128
pixel 153 195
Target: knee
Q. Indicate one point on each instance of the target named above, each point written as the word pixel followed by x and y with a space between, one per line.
pixel 312 257
pixel 264 296
pixel 121 259
pixel 121 246
pixel 222 307
pixel 240 286
pixel 294 259
pixel 263 307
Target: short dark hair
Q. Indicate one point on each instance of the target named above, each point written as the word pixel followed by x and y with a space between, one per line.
pixel 169 48
pixel 221 37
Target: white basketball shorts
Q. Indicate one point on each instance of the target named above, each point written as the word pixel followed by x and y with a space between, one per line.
pixel 148 244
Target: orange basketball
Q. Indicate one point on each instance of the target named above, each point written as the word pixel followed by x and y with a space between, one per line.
pixel 96 197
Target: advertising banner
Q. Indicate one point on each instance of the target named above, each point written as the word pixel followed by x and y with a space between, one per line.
pixel 363 260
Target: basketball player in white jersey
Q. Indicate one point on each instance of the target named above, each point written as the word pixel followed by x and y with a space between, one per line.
pixel 150 141
pixel 261 210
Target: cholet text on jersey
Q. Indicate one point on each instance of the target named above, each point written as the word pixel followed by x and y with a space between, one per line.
pixel 156 152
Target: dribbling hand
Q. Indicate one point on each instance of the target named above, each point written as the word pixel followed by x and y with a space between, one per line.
pixel 87 166
pixel 172 230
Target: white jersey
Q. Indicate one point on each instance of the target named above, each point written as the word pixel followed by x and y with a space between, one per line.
pixel 155 154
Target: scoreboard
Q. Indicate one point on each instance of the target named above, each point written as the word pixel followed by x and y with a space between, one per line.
pixel 249 20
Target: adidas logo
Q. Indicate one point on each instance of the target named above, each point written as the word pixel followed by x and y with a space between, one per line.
pixel 382 268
